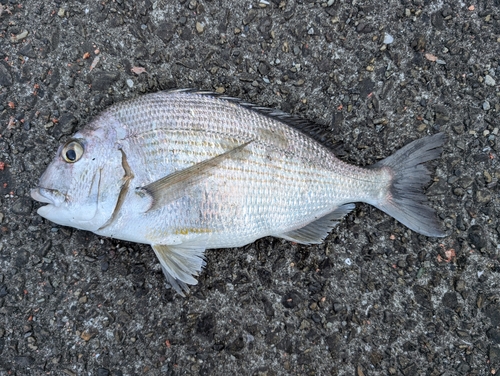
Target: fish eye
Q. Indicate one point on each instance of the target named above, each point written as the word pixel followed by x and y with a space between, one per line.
pixel 72 151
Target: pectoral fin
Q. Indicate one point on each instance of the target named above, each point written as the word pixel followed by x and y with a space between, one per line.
pixel 180 265
pixel 315 232
pixel 173 186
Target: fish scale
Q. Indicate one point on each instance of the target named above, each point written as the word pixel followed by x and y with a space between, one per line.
pixel 186 171
pixel 190 152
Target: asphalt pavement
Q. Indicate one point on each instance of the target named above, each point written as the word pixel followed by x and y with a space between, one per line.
pixel 374 299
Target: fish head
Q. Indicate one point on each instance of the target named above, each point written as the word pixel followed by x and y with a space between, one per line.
pixel 82 183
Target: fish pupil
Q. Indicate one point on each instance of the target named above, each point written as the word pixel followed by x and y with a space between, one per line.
pixel 71 155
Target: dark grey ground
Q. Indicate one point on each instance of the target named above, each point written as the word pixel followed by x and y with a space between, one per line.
pixel 374 299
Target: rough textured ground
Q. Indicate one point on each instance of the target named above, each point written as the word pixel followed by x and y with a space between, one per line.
pixel 374 299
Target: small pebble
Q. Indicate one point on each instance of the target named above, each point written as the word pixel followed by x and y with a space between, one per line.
pixel 388 39
pixel 86 336
pixel 60 13
pixel 487 177
pixel 104 266
pixel 130 83
pixel 199 27
pixel 422 127
pixel 304 325
pixel 103 372
pixel 490 81
pixel 486 105
pixel 19 37
pixel 460 286
pixel 22 206
pixel 483 196
pixel 477 237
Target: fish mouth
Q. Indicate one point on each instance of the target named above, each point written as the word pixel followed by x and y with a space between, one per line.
pixel 48 196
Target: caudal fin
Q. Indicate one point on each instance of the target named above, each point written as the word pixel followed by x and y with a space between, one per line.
pixel 405 200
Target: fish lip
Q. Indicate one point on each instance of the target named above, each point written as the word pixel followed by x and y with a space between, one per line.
pixel 47 196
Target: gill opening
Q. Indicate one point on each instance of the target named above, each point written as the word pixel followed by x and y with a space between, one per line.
pixel 127 177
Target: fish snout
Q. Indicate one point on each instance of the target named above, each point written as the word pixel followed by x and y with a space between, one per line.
pixel 48 196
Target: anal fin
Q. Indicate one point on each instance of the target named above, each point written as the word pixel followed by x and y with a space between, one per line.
pixel 315 232
pixel 180 265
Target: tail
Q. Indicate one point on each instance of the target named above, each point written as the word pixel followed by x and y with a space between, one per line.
pixel 405 200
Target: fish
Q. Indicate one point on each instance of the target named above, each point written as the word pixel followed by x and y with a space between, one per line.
pixel 185 171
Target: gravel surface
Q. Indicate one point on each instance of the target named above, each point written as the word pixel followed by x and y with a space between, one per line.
pixel 374 299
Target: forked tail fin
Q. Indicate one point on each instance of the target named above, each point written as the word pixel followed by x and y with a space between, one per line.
pixel 405 200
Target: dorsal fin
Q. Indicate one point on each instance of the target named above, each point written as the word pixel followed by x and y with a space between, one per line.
pixel 313 130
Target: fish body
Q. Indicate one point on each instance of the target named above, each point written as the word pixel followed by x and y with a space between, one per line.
pixel 186 171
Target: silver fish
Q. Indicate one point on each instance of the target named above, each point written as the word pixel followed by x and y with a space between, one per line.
pixel 185 171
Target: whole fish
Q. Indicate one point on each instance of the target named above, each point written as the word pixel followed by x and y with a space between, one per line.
pixel 185 171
